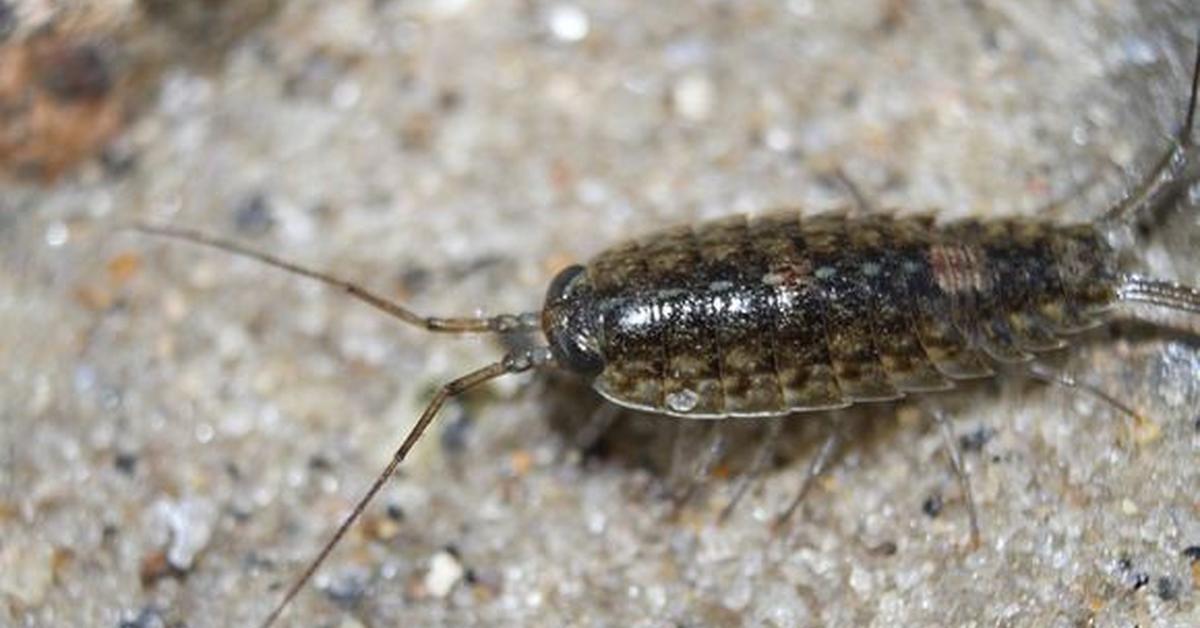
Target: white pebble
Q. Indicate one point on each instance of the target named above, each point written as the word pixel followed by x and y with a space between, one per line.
pixel 443 8
pixel 57 234
pixel 346 95
pixel 693 96
pixel 568 23
pixel 444 572
pixel 189 523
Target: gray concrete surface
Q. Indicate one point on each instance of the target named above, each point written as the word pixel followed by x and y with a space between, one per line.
pixel 181 430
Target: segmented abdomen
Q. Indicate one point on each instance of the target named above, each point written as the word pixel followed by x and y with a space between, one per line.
pixel 780 313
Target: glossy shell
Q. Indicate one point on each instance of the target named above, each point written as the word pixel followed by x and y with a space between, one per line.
pixel 783 313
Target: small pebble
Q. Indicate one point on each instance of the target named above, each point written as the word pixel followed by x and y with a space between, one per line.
pixel 1146 432
pixel 444 572
pixel 254 216
pixel 148 617
pixel 126 463
pixel 57 234
pixel 190 525
pixel 1135 578
pixel 349 585
pixel 693 97
pixel 78 72
pixel 521 461
pixel 455 431
pixel 568 23
pixel 779 139
pixel 121 268
pixel 1168 588
pixel 975 440
pixel 154 567
pixel 444 8
pixel 886 548
pixel 932 506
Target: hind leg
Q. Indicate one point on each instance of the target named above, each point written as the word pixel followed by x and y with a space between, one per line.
pixel 596 428
pixel 696 470
pixel 1045 373
pixel 761 456
pixel 861 206
pixel 960 473
pixel 833 442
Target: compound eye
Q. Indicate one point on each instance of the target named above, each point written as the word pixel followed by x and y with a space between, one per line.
pixel 562 287
pixel 569 324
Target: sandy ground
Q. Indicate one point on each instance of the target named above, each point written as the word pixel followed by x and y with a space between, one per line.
pixel 181 430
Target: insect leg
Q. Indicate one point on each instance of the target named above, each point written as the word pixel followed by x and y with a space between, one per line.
pixel 862 206
pixel 832 443
pixel 596 427
pixel 1046 373
pixel 955 454
pixel 530 321
pixel 761 456
pixel 1165 175
pixel 512 363
pixel 701 468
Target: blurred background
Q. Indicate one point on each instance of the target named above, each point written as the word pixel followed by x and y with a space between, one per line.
pixel 180 430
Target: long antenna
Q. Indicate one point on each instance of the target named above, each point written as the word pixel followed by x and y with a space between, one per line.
pixel 502 323
pixel 514 362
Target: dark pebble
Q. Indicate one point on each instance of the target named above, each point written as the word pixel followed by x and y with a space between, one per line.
pixel 349 586
pixel 148 617
pixel 454 433
pixel 1136 578
pixel 79 72
pixel 118 161
pixel 932 506
pixel 126 463
pixel 254 216
pixel 974 441
pixel 886 548
pixel 1168 588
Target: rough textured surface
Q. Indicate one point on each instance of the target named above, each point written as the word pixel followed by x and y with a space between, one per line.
pixel 180 430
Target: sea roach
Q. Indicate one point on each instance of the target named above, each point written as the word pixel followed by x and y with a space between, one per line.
pixel 785 313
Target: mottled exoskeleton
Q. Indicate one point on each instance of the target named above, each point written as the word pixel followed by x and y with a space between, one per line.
pixel 783 312
pixel 786 312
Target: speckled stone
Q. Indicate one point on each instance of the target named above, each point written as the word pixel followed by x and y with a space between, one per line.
pixel 179 431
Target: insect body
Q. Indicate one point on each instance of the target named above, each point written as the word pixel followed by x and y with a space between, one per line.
pixel 783 313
